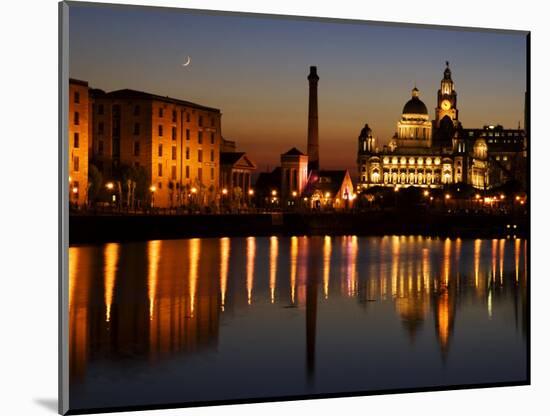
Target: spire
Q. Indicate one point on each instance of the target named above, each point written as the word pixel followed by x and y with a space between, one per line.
pixel 447 72
pixel 415 91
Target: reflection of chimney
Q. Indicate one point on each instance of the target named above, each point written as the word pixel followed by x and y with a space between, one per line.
pixel 311 305
pixel 313 121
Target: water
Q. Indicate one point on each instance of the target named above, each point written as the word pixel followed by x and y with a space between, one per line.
pixel 176 321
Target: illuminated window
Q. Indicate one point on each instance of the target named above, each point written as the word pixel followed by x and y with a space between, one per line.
pixel 437 161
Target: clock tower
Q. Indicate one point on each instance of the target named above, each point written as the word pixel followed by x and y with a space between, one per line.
pixel 446 112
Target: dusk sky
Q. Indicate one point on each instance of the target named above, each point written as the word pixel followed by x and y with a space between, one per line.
pixel 254 70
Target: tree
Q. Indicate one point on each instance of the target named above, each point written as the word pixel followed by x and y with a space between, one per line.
pixel 95 183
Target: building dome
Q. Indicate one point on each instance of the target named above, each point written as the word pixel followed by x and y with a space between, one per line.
pixel 415 104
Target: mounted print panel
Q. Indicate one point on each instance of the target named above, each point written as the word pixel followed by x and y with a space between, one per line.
pixel 262 208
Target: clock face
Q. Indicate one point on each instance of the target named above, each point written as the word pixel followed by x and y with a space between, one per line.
pixel 445 104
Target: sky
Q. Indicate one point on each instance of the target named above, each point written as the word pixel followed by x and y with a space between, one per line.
pixel 254 69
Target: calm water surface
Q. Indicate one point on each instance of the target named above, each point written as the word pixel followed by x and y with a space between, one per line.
pixel 228 318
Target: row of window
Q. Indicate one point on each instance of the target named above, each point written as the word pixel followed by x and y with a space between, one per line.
pixel 137 110
pixel 173 173
pixel 187 117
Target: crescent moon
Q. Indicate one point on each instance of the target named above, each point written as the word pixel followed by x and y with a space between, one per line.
pixel 187 61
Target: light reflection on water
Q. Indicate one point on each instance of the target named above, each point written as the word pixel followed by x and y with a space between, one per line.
pixel 275 316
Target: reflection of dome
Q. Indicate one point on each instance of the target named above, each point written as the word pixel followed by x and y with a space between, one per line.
pixel 415 104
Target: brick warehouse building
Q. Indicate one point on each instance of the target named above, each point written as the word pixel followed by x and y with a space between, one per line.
pixel 79 109
pixel 177 143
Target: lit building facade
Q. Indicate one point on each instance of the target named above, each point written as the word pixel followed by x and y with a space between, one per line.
pixel 79 109
pixel 177 143
pixel 440 152
pixel 294 173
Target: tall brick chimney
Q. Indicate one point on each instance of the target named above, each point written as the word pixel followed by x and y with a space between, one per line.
pixel 313 122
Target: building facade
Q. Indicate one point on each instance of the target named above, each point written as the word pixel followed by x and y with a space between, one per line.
pixel 176 142
pixel 439 152
pixel 79 109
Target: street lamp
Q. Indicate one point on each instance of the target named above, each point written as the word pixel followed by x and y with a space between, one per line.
pixel 153 189
pixel 274 192
pixel 447 196
pixel 109 186
pixel 426 193
pixel 224 191
pixel 251 192
pixel 294 193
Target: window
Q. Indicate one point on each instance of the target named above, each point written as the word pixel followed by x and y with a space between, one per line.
pixel 76 118
pixel 211 155
pixel 212 138
pixel 76 163
pixel 173 133
pixel 161 112
pixel 136 149
pixel 200 121
pixel 136 129
pixel 212 173
pixel 160 131
pixel 174 153
pixel 100 109
pixel 212 121
pixel 136 110
pixel 174 172
pixel 174 116
pixel 187 153
pixel 187 172
pixel 187 117
pixel 76 142
pixel 160 170
pixel 187 134
pixel 200 155
pixel 200 174
pixel 100 148
pixel 76 97
pixel 200 137
pixel 160 150
pixel 100 127
pixel 160 185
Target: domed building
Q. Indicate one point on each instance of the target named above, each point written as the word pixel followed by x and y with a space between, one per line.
pixel 434 153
